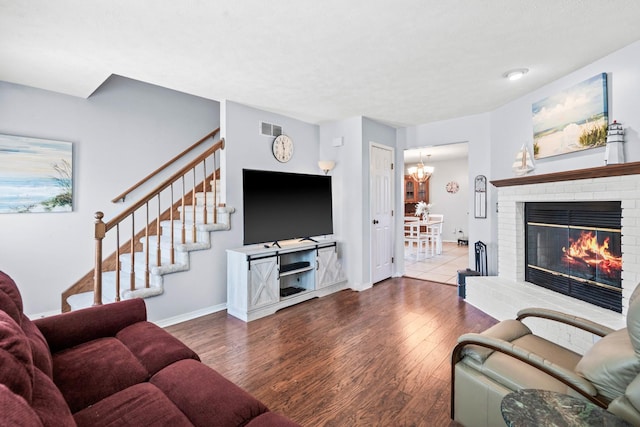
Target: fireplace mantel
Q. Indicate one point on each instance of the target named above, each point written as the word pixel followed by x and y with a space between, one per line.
pixel 597 172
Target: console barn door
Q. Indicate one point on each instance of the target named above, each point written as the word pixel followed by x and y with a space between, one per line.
pixel 381 202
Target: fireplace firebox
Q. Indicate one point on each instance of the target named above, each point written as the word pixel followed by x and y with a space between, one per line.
pixel 575 248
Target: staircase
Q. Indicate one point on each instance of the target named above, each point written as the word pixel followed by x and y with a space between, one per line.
pixel 156 272
pixel 137 267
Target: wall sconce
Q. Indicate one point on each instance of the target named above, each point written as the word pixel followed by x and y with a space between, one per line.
pixel 326 165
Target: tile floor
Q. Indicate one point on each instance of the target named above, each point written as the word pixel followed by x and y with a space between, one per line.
pixel 441 268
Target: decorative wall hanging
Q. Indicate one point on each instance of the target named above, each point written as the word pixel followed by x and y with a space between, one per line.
pixel 614 153
pixel 35 175
pixel 573 120
pixel 452 187
pixel 523 164
pixel 480 200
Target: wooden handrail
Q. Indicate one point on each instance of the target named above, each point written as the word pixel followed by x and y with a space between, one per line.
pixel 121 197
pixel 165 184
pixel 101 228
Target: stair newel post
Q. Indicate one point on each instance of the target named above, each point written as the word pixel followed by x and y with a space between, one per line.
pixel 172 247
pixel 183 216
pixel 132 273
pixel 118 262
pixel 158 234
pixel 193 206
pixel 215 189
pixel 204 188
pixel 146 246
pixel 100 230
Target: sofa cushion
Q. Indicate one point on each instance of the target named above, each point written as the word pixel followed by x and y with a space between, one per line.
pixel 48 402
pixel 154 347
pixel 139 405
pixel 205 396
pixel 15 411
pixel 610 364
pixel 15 358
pixel 92 371
pixel 13 303
pixel 39 347
pixel 507 330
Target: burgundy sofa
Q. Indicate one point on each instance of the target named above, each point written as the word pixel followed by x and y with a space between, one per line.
pixel 108 366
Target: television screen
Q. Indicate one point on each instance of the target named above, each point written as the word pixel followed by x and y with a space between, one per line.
pixel 282 206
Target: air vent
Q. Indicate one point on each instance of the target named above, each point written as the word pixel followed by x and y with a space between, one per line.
pixel 269 129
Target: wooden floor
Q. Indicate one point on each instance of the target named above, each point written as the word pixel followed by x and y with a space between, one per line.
pixel 374 358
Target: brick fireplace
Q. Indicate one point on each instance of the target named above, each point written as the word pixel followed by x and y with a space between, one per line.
pixel 503 295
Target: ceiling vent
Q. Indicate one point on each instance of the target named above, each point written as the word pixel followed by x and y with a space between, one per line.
pixel 268 129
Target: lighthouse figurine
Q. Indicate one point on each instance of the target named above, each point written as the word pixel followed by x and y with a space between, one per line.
pixel 614 153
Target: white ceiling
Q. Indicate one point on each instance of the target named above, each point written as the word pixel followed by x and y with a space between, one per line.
pixel 402 62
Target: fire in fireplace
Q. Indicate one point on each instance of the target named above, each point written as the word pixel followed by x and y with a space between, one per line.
pixel 575 248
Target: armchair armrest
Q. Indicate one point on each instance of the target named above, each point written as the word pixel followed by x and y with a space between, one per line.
pixel 567 377
pixel 76 327
pixel 578 322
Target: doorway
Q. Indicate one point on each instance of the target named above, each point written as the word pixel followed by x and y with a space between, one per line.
pixel 447 191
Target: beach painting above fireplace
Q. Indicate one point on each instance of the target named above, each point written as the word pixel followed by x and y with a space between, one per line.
pixel 572 120
pixel 35 175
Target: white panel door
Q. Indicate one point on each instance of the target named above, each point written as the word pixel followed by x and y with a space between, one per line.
pixel 381 202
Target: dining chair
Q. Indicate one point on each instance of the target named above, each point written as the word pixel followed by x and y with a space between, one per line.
pixel 434 232
pixel 414 237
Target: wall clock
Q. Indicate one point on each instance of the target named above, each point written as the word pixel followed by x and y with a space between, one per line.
pixel 452 187
pixel 282 148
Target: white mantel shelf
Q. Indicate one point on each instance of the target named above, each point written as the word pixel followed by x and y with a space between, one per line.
pixel 597 172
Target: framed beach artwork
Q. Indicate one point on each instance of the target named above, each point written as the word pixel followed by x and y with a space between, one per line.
pixel 573 120
pixel 36 175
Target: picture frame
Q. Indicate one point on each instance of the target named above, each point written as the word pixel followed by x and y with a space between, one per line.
pixel 572 120
pixel 36 175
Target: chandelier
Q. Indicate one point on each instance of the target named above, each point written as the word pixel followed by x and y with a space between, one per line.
pixel 421 173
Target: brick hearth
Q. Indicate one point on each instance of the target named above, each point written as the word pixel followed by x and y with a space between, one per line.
pixel 503 295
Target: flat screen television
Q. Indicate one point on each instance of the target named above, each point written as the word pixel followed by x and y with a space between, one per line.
pixel 282 206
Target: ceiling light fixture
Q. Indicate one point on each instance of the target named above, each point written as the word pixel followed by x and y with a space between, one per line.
pixel 515 74
pixel 421 173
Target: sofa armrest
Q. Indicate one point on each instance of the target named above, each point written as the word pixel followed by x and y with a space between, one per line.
pixel 76 327
pixel 578 322
pixel 567 377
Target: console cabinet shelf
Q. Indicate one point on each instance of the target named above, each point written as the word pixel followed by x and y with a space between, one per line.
pixel 261 281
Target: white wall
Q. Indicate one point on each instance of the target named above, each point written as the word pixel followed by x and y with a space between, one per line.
pixel 348 197
pixel 125 130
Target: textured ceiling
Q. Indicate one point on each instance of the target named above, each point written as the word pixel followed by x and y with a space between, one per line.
pixel 402 62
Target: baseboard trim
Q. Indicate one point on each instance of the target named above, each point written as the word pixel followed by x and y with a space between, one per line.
pixel 190 316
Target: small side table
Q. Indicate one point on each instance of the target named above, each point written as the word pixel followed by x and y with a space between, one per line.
pixel 539 408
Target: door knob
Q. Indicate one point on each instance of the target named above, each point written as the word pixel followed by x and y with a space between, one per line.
pixel 375 221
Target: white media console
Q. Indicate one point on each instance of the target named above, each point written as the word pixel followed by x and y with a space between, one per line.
pixel 262 280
